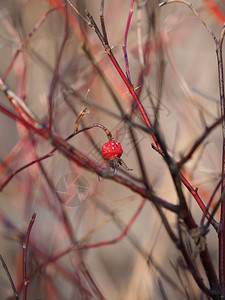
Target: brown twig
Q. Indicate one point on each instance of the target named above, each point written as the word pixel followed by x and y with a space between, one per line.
pixel 199 141
pixel 10 277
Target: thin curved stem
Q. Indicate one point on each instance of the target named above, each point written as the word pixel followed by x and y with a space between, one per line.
pixel 188 4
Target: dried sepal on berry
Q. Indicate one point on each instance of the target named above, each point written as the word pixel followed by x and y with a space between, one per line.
pixel 122 164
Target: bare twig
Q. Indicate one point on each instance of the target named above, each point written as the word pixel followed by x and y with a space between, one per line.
pixel 125 41
pixel 10 277
pixel 25 251
pixel 79 14
pixel 199 141
pixel 103 22
pixel 188 4
pixel 209 203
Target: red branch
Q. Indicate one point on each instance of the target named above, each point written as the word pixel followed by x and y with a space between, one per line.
pixel 25 250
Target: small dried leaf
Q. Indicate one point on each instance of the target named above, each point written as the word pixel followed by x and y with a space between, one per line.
pixel 79 117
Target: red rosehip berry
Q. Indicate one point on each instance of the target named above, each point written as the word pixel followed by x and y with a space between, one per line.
pixel 112 150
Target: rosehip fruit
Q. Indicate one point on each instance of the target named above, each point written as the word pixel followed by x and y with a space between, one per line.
pixel 112 150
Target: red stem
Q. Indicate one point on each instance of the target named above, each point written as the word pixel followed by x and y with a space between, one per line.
pixel 134 95
pixel 195 194
pixel 28 125
pixel 25 250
